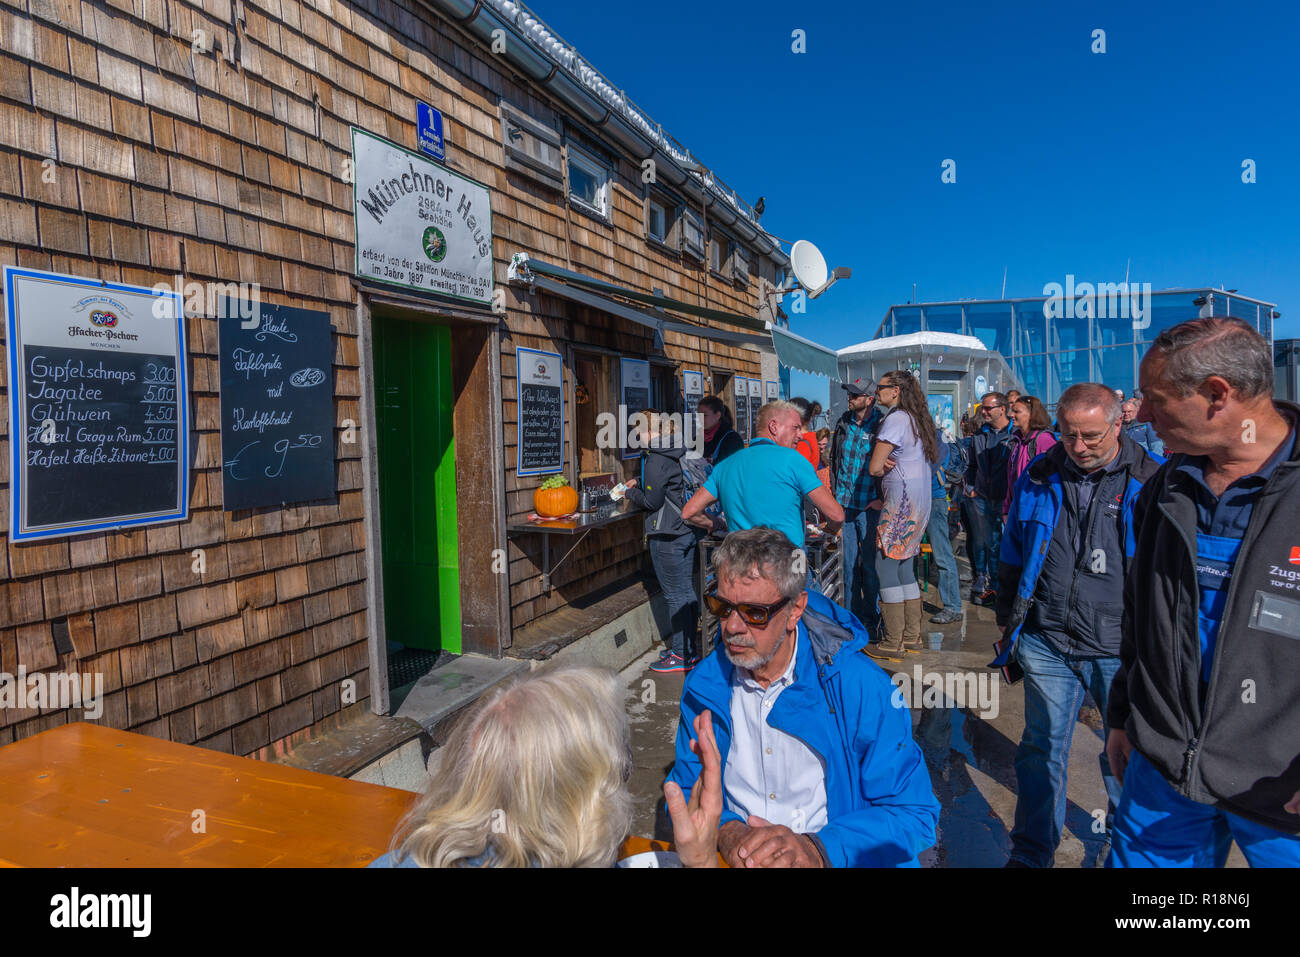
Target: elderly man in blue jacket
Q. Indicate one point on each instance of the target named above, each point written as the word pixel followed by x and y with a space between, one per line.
pixel 819 767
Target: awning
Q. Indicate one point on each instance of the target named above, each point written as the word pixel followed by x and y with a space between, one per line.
pixel 599 294
pixel 796 352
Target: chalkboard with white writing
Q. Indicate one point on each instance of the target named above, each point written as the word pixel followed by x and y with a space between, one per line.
pixel 98 405
pixel 277 406
pixel 541 411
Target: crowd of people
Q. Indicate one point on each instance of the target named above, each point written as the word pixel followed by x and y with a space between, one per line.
pixel 1157 586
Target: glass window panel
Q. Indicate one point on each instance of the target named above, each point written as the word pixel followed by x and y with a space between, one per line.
pixel 1068 368
pixel 1115 368
pixel 1166 310
pixel 1066 332
pixel 586 186
pixel 907 319
pixel 658 221
pixel 1244 310
pixel 991 324
pixel 1032 373
pixel 943 319
pixel 1031 328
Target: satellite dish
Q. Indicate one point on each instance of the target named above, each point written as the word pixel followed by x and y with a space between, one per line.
pixel 808 265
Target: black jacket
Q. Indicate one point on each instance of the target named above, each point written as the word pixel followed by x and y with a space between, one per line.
pixel 987 471
pixel 661 492
pixel 726 442
pixel 1241 751
pixel 1077 603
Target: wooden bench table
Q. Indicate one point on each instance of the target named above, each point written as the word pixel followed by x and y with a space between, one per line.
pixel 83 795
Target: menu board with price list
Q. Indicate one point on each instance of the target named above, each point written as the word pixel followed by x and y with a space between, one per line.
pixel 98 405
pixel 277 405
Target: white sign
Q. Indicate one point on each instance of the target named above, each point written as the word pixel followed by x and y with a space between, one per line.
pixel 98 405
pixel 772 392
pixel 693 383
pixel 741 387
pixel 418 224
pixel 755 388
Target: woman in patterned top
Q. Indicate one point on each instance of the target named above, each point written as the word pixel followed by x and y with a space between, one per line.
pixel 906 446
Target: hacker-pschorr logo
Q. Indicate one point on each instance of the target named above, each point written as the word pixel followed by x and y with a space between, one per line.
pixel 76 909
pixel 1295 554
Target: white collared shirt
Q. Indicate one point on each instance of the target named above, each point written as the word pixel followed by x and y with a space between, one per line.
pixel 768 772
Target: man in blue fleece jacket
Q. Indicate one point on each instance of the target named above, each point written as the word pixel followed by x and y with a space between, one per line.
pixel 819 767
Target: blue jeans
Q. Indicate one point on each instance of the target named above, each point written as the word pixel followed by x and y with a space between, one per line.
pixel 674 562
pixel 986 521
pixel 1054 687
pixel 1156 826
pixel 944 560
pixel 861 587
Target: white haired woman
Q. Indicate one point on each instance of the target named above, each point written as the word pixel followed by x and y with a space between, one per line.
pixel 536 776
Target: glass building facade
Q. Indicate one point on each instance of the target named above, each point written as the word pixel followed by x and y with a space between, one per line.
pixel 1052 344
pixel 1286 369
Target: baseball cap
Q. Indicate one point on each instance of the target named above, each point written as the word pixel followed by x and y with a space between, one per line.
pixel 859 387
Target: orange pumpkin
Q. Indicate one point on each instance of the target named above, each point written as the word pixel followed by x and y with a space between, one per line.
pixel 554 502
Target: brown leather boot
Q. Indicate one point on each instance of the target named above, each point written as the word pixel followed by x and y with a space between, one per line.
pixel 912 625
pixel 891 620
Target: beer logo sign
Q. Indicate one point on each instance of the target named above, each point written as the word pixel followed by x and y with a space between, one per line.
pixel 102 317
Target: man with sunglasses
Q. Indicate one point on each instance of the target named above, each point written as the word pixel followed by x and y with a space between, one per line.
pixel 819 767
pixel 1066 548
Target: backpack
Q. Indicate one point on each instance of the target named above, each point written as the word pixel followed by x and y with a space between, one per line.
pixel 952 463
pixel 695 472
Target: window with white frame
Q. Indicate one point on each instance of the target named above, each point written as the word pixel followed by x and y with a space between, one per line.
pixel 657 220
pixel 588 183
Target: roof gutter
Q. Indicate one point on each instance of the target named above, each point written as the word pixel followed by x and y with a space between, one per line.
pixel 481 19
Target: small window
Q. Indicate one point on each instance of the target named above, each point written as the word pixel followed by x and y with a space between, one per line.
pixel 588 184
pixel 692 235
pixel 657 221
pixel 717 253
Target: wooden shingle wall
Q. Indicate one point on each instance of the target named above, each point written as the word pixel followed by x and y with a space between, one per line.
pixel 142 140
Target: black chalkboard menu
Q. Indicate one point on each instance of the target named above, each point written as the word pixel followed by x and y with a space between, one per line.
pixel 634 379
pixel 755 403
pixel 98 401
pixel 277 406
pixel 540 378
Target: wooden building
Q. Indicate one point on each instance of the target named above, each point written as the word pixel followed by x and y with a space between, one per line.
pixel 160 141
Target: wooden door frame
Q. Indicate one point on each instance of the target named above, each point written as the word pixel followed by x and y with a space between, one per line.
pixel 485 628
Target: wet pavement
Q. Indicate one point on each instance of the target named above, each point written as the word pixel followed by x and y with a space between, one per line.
pixel 968 732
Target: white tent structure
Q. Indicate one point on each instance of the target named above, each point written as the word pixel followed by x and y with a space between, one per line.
pixel 954 370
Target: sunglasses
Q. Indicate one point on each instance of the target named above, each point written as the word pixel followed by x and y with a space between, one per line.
pixel 757 615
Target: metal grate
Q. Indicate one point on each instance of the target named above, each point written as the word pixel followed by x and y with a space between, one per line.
pixel 411 664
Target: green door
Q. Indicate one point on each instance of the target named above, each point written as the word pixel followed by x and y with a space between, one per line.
pixel 417 483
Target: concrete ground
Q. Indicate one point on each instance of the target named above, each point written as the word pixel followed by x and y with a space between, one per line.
pixel 970 749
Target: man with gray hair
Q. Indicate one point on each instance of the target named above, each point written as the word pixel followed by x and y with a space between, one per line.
pixel 1140 432
pixel 766 483
pixel 819 768
pixel 1065 551
pixel 1203 712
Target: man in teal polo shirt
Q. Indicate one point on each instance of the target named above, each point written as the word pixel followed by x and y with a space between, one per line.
pixel 766 483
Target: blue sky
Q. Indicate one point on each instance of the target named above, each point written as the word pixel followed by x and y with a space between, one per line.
pixel 1067 161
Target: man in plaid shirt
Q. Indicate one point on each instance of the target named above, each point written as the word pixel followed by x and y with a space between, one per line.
pixel 855 490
